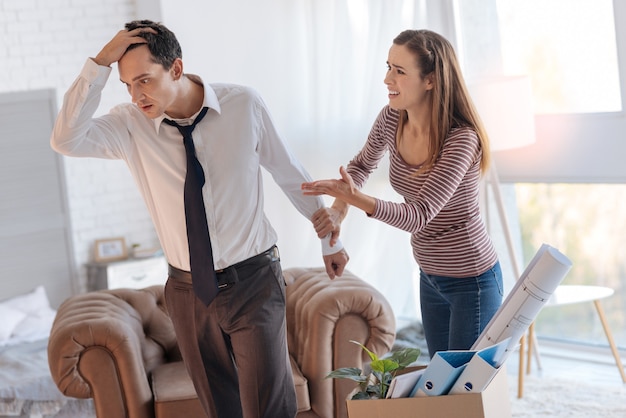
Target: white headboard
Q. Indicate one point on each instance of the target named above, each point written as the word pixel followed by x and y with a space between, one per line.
pixel 35 237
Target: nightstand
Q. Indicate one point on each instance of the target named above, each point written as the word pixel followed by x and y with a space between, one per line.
pixel 134 273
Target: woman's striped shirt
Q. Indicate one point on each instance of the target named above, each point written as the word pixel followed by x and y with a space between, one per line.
pixel 441 205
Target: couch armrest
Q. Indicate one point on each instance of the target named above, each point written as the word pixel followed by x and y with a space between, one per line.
pixel 323 315
pixel 103 345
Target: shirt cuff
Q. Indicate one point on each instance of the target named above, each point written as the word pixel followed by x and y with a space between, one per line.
pixel 377 208
pixel 327 249
pixel 94 73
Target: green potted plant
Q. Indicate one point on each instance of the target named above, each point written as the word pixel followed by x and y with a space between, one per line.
pixel 376 384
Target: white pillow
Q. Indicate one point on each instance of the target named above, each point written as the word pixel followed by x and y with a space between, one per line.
pixel 31 302
pixel 10 318
pixel 33 314
pixel 34 327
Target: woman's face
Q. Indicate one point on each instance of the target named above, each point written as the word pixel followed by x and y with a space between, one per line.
pixel 407 88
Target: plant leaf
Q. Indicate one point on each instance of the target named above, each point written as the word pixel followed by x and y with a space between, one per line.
pixel 378 375
pixel 352 373
pixel 373 391
pixel 373 356
pixel 405 356
pixel 360 395
pixel 386 378
pixel 384 365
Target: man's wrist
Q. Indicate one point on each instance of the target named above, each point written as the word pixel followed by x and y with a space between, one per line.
pixel 327 249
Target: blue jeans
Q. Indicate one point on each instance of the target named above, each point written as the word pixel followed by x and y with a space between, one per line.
pixel 456 310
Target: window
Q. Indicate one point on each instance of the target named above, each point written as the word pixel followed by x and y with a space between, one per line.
pixel 567 47
pixel 582 221
pixel 569 186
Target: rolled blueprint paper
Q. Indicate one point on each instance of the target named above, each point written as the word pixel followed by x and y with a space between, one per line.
pixel 531 292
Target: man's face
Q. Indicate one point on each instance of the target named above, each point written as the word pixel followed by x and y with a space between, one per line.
pixel 151 87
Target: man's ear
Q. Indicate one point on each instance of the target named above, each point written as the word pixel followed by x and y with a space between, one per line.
pixel 177 69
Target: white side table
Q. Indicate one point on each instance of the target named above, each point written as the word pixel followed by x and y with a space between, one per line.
pixel 134 273
pixel 567 295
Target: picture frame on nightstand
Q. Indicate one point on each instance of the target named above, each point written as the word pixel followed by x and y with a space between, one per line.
pixel 110 249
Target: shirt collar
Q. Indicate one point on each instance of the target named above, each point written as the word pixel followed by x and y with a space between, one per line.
pixel 210 100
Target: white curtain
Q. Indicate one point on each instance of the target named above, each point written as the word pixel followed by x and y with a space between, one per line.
pixel 319 64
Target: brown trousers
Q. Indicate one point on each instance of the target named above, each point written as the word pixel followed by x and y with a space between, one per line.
pixel 235 350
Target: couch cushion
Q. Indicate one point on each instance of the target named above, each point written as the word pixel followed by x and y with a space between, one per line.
pixel 175 396
pixel 302 387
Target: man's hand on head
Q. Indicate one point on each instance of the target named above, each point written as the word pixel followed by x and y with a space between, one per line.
pixel 115 49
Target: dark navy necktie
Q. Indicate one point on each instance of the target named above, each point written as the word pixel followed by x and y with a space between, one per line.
pixel 200 252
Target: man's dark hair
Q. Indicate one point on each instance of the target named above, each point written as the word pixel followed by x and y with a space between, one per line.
pixel 163 45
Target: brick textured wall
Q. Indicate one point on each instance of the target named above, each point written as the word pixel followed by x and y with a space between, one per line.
pixel 43 44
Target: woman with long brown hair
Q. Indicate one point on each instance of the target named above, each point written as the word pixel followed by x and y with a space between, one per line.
pixel 438 150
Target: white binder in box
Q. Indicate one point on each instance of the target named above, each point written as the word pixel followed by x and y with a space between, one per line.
pixel 481 369
pixel 443 370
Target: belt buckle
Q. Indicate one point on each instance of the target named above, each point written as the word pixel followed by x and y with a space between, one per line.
pixel 227 278
pixel 275 254
pixel 220 285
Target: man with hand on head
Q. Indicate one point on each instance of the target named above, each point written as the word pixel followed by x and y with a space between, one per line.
pixel 230 325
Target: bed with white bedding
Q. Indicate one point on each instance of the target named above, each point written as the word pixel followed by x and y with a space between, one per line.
pixel 26 387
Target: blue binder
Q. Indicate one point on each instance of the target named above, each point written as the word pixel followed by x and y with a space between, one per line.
pixel 481 369
pixel 442 372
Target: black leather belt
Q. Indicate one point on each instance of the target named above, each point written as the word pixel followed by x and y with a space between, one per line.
pixel 231 274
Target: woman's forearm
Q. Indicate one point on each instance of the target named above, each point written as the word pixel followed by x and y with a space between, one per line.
pixel 360 200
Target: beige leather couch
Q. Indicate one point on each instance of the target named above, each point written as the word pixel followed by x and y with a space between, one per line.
pixel 119 348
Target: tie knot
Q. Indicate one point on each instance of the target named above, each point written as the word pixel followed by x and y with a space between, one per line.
pixel 186 130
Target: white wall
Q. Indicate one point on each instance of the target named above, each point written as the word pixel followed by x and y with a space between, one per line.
pixel 43 44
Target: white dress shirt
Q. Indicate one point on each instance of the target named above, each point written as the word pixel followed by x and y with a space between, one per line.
pixel 233 141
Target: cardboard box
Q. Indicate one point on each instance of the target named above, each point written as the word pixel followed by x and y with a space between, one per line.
pixel 493 402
